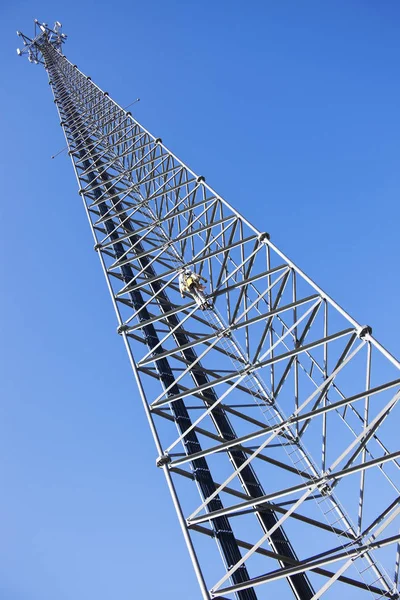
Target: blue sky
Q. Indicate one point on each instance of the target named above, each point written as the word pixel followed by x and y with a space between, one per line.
pixel 290 109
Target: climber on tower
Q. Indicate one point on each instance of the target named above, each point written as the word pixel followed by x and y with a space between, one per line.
pixel 189 282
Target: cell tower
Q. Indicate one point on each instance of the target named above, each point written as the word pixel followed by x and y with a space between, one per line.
pixel 272 410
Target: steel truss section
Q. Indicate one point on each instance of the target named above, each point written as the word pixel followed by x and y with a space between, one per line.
pixel 277 408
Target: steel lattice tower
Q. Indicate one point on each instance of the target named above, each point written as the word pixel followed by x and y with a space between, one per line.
pixel 273 407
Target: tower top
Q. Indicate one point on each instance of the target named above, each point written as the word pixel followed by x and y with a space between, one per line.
pixel 42 33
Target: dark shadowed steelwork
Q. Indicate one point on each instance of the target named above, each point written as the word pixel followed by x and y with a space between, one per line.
pixel 273 406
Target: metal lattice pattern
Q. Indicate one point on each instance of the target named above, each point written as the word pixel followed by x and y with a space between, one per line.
pixel 273 406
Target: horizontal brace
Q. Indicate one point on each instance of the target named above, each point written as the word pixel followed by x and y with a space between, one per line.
pixel 104 150
pixel 283 558
pixel 90 187
pixel 133 232
pixel 267 507
pixel 140 165
pixel 214 294
pixel 320 342
pixel 110 216
pixel 161 317
pixel 172 241
pixel 273 313
pixel 189 264
pixel 255 367
pixel 105 196
pixel 294 489
pixel 248 281
pixel 182 348
pixel 156 176
pixel 308 566
pixel 232 328
pixel 190 207
pixel 172 189
pixel 266 430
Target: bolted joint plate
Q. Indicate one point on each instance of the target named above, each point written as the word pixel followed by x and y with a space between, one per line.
pixel 363 331
pixel 325 489
pixel 263 237
pixel 163 460
pixel 122 328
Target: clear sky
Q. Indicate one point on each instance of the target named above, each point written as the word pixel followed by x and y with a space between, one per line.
pixel 290 109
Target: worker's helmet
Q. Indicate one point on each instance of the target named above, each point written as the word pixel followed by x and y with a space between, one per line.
pixel 188 272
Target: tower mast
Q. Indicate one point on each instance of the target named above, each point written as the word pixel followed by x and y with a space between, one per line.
pixel 272 404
